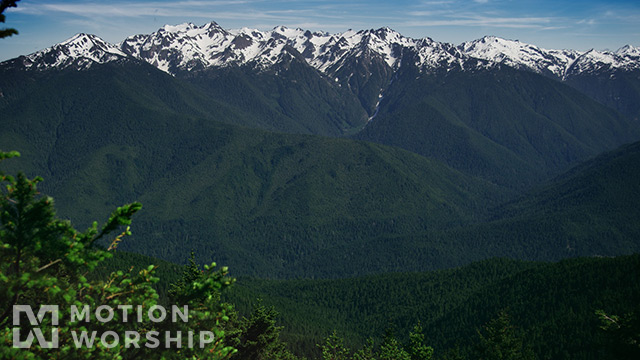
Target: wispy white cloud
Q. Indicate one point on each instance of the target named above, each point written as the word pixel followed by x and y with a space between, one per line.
pixel 626 16
pixel 486 19
pixel 246 10
pixel 435 3
pixel 427 13
pixel 131 8
pixel 590 22
pixel 325 15
pixel 516 23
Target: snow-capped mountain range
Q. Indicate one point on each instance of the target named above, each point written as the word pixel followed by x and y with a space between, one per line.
pixel 188 47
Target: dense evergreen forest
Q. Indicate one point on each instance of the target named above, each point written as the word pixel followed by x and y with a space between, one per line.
pixel 552 304
pixel 576 309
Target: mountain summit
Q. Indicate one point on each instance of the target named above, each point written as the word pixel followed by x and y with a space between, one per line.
pixel 81 51
pixel 189 47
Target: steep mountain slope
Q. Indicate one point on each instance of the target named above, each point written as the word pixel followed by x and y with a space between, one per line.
pixel 361 62
pixel 290 97
pixel 511 127
pixel 618 89
pixel 258 201
pixel 590 211
pixel 79 52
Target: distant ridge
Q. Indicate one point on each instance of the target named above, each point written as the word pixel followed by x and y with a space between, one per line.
pixel 188 47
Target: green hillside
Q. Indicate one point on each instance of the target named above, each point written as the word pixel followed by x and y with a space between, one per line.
pixel 510 127
pixel 591 210
pixel 261 202
pixel 273 206
pixel 619 90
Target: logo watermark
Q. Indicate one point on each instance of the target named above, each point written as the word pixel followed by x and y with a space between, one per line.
pixel 109 339
pixel 34 321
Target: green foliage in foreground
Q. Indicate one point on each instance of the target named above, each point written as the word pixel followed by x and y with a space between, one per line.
pixel 45 261
pixel 499 340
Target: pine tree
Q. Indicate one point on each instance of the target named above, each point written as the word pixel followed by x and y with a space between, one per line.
pixel 191 273
pixel 366 353
pixel 333 348
pixel 501 341
pixel 258 337
pixel 418 350
pixel 391 348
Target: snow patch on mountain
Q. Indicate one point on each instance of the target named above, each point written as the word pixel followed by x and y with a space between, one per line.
pixel 81 51
pixel 559 63
pixel 594 61
pixel 629 50
pixel 520 55
pixel 188 47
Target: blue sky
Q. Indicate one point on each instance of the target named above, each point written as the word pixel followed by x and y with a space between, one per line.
pixel 580 25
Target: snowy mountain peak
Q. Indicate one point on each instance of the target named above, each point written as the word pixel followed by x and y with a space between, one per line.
pixel 287 32
pixel 87 45
pixel 629 50
pixel 520 55
pixel 593 61
pixel 188 47
pixel 385 32
pixel 81 51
